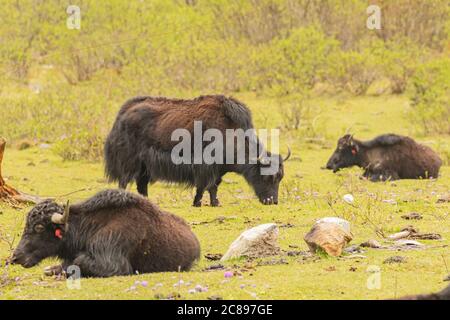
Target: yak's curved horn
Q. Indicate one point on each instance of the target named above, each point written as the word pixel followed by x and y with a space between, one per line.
pixel 288 155
pixel 58 218
pixel 62 218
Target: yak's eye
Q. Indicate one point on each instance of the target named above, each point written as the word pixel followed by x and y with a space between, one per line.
pixel 39 228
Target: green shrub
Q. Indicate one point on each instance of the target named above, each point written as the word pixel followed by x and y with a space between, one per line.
pixel 297 61
pixel 75 120
pixel 400 60
pixel 356 70
pixel 430 101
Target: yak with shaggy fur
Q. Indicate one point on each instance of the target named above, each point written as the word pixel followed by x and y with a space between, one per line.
pixel 387 157
pixel 139 146
pixel 113 233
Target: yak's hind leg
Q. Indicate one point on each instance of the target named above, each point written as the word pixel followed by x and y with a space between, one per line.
pixel 103 264
pixel 214 201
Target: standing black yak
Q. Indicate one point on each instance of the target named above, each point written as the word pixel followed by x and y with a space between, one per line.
pixel 387 157
pixel 113 233
pixel 139 146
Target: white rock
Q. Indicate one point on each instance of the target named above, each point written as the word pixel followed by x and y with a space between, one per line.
pixel 399 235
pixel 339 221
pixel 348 198
pixel 407 243
pixel 259 241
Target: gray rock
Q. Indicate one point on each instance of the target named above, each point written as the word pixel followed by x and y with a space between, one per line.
pixel 371 244
pixel 395 259
pixel 260 241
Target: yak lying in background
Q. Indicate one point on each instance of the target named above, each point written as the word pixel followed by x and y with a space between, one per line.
pixel 113 233
pixel 387 157
pixel 139 146
pixel 442 295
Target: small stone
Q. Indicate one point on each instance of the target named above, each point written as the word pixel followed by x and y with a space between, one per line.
pixel 426 236
pixel 348 198
pixel 371 244
pixel 213 256
pixel 214 267
pixel 395 259
pixel 228 274
pixel 198 288
pixel 353 249
pixel 412 216
pixel 408 243
pixel 400 235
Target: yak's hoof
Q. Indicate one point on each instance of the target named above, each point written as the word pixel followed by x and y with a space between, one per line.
pixel 215 203
pixel 197 204
pixel 53 271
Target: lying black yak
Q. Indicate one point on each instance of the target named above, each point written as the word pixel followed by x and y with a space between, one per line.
pixel 139 146
pixel 387 157
pixel 113 233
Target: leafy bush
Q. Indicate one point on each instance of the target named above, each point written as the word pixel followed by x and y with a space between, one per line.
pixel 297 61
pixel 76 121
pixel 186 48
pixel 355 70
pixel 431 98
pixel 400 60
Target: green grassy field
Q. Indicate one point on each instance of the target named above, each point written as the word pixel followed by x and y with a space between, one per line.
pixel 307 193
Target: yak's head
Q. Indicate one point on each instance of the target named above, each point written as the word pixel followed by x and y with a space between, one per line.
pixel 42 237
pixel 266 176
pixel 345 155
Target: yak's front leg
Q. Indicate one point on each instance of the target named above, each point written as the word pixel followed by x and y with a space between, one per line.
pixel 58 270
pixel 103 264
pixel 54 270
pixel 383 176
pixel 142 184
pixel 198 197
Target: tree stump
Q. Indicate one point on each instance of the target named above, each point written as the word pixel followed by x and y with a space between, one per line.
pixel 7 193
